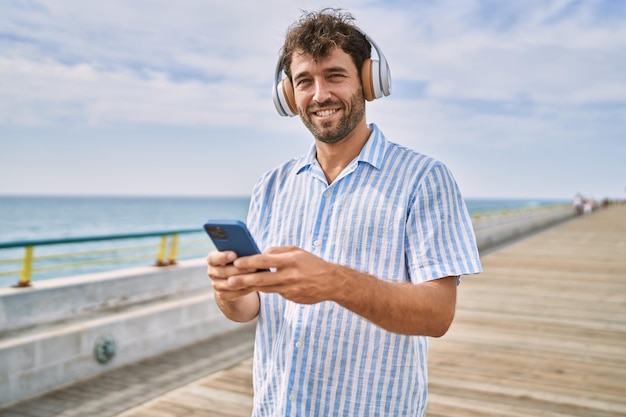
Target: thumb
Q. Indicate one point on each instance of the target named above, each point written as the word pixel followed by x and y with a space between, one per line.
pixel 277 250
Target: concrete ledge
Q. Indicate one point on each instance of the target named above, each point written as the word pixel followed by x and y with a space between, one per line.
pixel 492 231
pixel 61 351
pixel 61 299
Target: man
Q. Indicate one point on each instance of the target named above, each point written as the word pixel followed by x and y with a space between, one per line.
pixel 365 239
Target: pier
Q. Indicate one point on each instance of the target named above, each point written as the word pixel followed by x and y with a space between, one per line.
pixel 541 332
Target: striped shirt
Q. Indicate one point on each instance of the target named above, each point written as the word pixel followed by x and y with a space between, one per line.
pixel 392 213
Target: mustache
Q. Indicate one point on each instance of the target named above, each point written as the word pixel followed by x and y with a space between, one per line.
pixel 327 103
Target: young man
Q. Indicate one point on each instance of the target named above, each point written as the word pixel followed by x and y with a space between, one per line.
pixel 365 239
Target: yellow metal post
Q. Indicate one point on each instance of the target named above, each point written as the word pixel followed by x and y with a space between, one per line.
pixel 27 267
pixel 160 261
pixel 173 249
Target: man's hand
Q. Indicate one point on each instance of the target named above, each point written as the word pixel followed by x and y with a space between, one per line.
pixel 297 275
pixel 240 304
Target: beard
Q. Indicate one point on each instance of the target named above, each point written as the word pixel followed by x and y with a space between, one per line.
pixel 327 133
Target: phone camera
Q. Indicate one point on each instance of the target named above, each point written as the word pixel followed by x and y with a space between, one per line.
pixel 217 232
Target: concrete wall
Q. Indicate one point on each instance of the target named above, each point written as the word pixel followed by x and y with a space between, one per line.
pixel 48 332
pixel 146 311
pixel 495 230
pixel 74 297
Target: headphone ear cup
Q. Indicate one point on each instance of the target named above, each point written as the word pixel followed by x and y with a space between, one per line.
pixel 375 75
pixel 283 96
pixel 290 98
pixel 367 81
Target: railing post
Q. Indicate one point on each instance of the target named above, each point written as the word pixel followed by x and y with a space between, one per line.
pixel 160 261
pixel 173 249
pixel 27 268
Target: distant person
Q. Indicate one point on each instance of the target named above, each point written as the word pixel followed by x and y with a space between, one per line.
pixel 366 240
pixel 578 202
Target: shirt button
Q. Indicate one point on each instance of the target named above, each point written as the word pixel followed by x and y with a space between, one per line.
pixel 292 397
pixel 316 243
pixel 298 344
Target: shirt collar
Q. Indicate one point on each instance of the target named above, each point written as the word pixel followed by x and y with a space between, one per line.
pixel 372 153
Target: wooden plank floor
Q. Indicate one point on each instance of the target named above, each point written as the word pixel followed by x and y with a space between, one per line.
pixel 542 332
pixel 226 393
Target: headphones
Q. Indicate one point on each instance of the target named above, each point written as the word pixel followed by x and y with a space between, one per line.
pixel 375 79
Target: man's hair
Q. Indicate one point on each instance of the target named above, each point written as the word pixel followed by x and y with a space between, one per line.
pixel 318 33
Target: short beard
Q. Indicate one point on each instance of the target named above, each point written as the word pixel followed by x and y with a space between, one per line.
pixel 345 126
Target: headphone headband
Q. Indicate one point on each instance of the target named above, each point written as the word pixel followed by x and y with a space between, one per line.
pixel 375 79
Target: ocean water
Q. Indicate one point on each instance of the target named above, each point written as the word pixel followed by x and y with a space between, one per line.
pixel 24 218
pixel 53 217
pixel 38 217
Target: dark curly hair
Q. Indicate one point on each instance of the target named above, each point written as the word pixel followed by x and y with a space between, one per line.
pixel 317 33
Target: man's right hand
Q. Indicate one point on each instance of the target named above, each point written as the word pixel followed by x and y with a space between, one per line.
pixel 241 304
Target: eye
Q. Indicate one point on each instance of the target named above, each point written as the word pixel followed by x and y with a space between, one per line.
pixel 302 82
pixel 336 75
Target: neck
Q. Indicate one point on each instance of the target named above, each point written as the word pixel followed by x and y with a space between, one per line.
pixel 335 157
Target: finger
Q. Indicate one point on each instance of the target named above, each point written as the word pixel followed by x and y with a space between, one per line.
pixel 281 249
pixel 223 286
pixel 255 262
pixel 273 259
pixel 225 272
pixel 256 280
pixel 217 258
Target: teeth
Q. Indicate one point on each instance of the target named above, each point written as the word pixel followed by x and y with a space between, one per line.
pixel 325 113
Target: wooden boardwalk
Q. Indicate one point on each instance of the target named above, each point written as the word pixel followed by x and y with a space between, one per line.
pixel 542 332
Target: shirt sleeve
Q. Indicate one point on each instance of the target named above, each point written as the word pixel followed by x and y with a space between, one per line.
pixel 440 236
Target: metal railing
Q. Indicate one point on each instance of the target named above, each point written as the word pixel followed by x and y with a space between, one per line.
pixel 74 257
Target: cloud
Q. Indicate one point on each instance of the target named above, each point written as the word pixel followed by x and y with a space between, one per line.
pixel 49 92
pixel 193 62
pixel 187 63
pixel 477 74
pixel 571 60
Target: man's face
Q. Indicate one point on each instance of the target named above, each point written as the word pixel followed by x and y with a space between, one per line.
pixel 328 94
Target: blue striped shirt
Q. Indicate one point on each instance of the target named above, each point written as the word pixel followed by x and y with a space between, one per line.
pixel 392 213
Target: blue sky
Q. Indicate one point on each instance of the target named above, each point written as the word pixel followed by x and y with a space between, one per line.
pixel 520 98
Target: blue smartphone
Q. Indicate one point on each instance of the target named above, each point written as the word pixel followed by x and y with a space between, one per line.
pixel 231 235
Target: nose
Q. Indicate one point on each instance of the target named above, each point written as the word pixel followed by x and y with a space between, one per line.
pixel 322 91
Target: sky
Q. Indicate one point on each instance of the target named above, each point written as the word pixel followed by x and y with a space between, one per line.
pixel 519 98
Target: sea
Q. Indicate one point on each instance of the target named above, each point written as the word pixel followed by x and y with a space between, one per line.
pixel 40 218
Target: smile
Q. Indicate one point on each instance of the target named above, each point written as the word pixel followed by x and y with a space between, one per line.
pixel 324 113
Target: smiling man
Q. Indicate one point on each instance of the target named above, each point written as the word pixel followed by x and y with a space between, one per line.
pixel 365 239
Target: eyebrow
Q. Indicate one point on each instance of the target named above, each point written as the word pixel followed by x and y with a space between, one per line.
pixel 327 70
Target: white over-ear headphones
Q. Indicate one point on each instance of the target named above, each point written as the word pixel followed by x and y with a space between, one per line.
pixel 375 79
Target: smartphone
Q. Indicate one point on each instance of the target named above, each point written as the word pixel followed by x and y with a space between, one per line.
pixel 231 235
